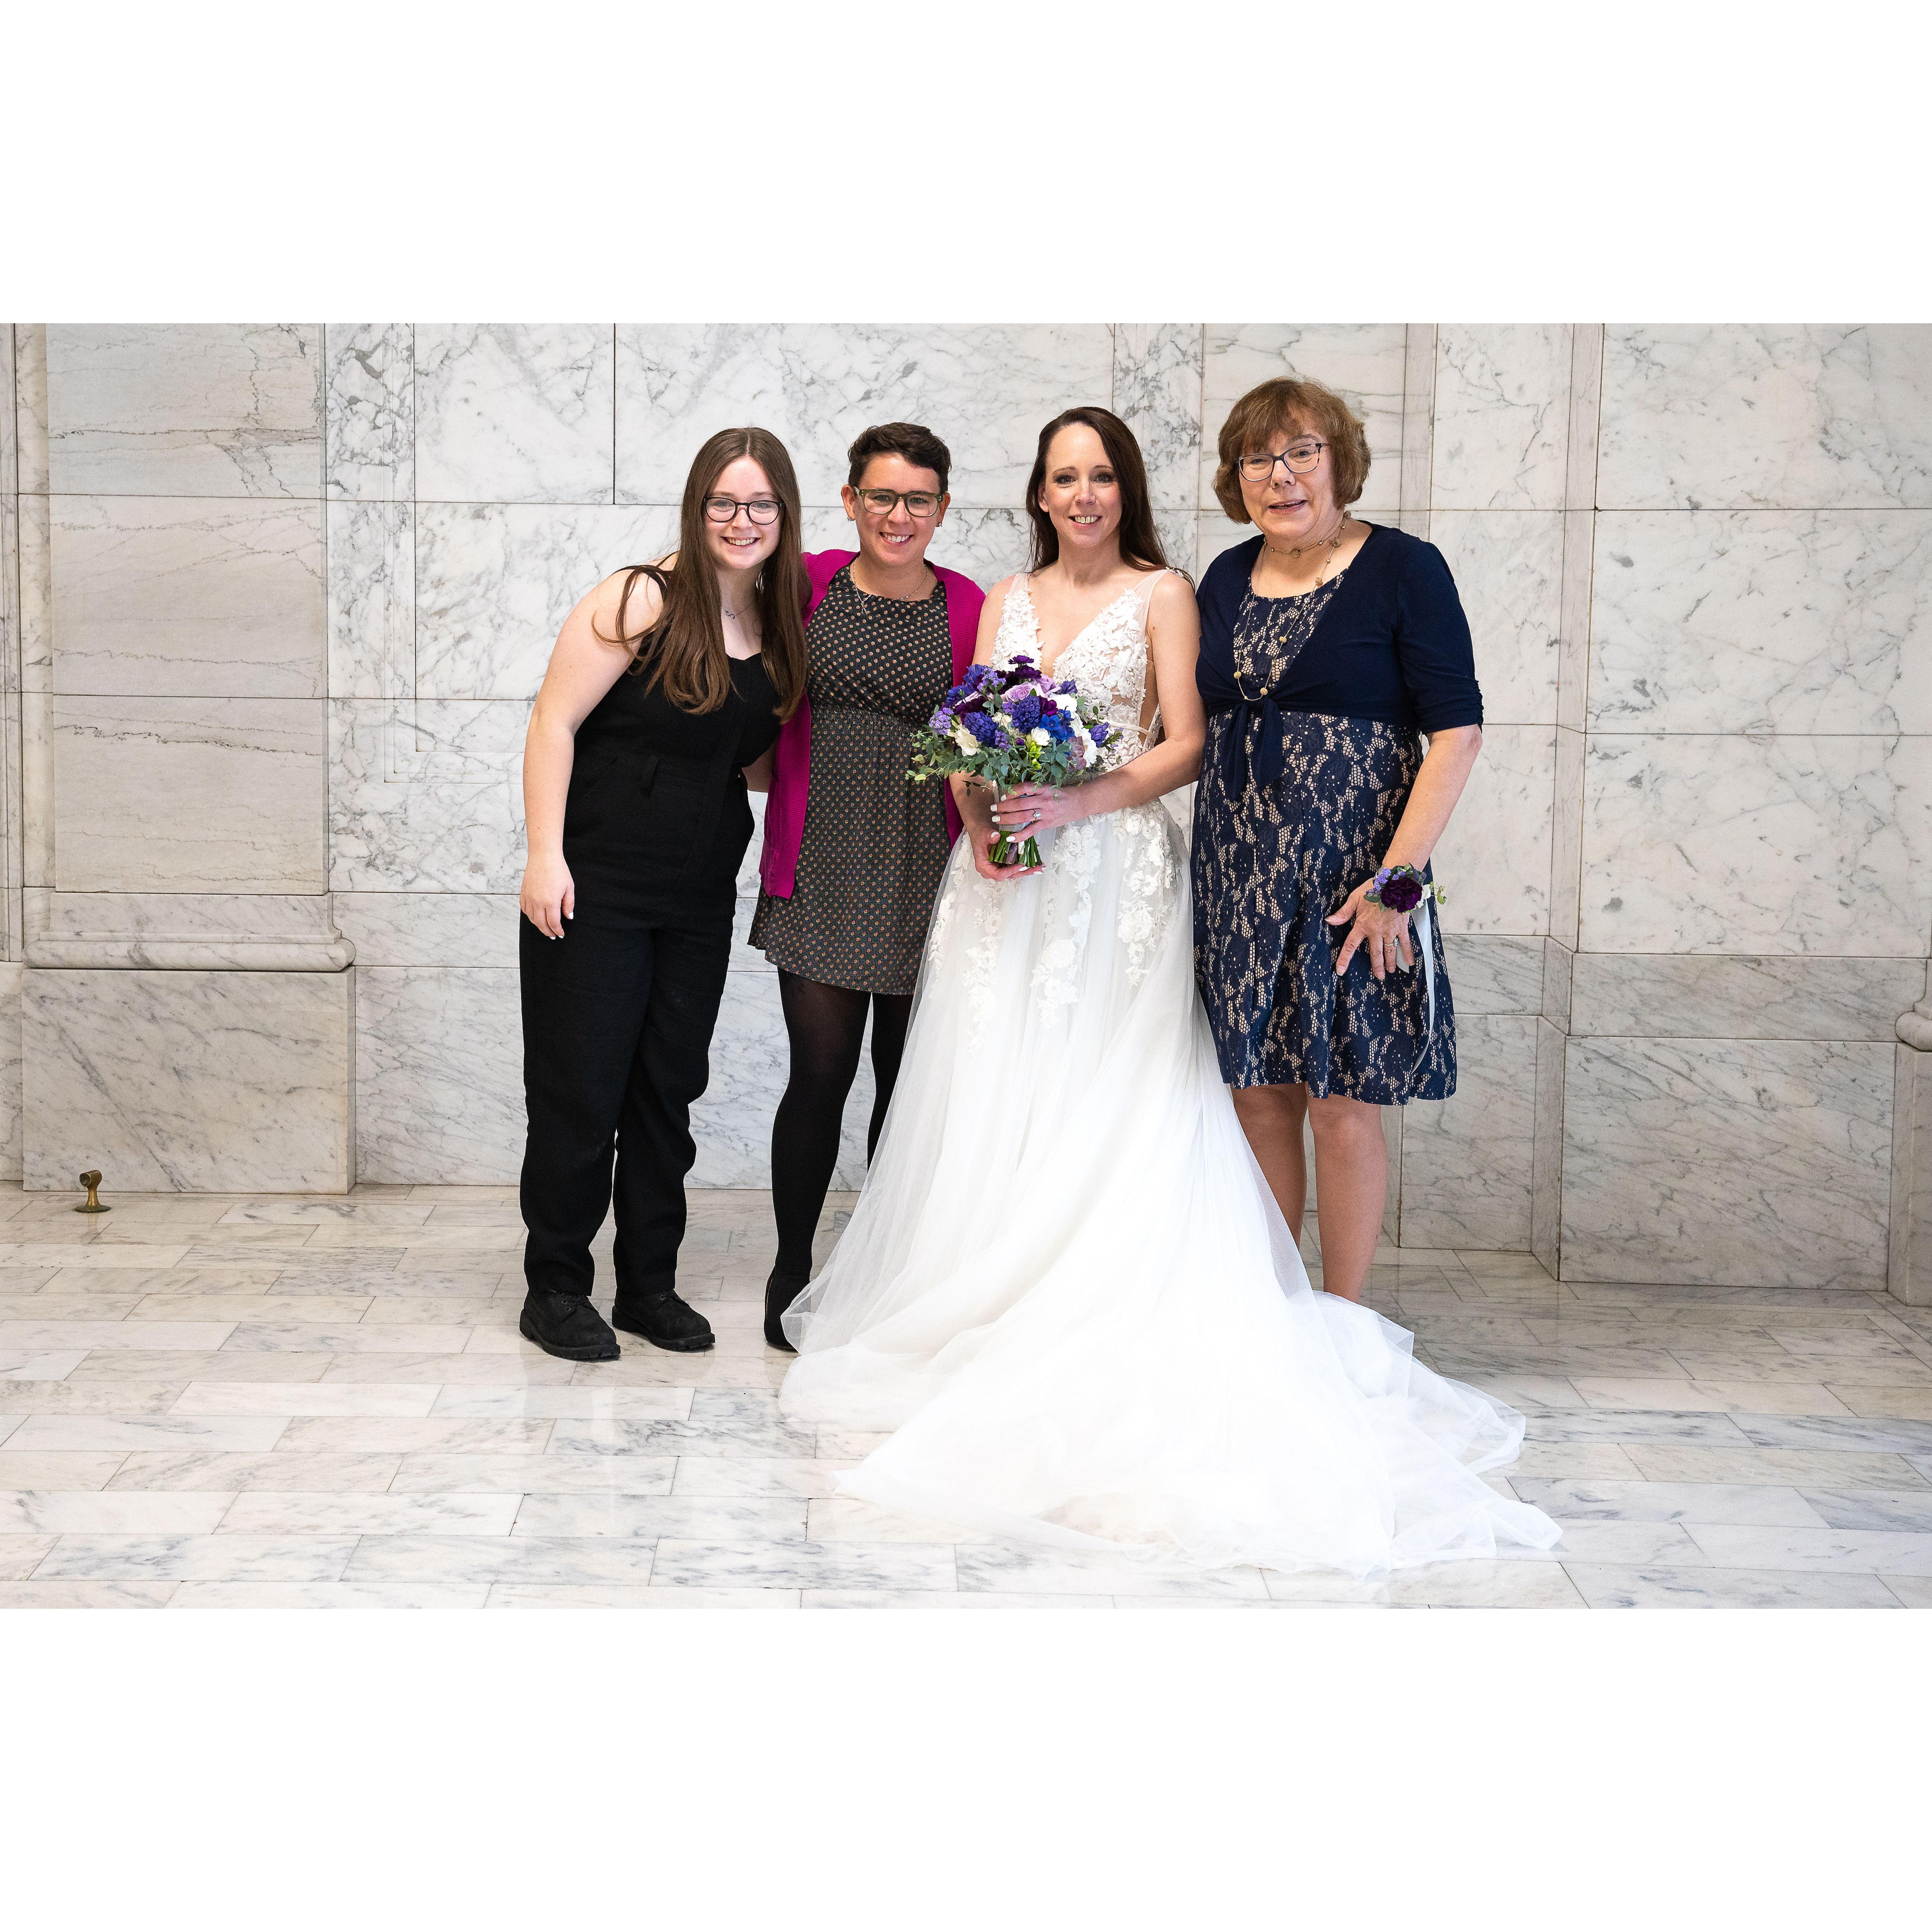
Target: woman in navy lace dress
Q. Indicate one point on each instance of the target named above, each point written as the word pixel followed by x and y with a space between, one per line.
pixel 1329 647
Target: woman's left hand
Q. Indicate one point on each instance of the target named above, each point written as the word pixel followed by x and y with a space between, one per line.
pixel 1029 808
pixel 1383 935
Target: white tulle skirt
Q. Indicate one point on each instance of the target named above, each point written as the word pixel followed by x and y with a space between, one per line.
pixel 1068 1292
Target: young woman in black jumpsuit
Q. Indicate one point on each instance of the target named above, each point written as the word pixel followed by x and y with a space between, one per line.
pixel 667 682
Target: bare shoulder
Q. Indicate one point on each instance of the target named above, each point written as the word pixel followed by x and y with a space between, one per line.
pixel 1172 599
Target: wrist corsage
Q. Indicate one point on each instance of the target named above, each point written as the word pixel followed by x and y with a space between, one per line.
pixel 1402 889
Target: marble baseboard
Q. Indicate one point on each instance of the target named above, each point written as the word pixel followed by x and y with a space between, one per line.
pixel 438 1076
pixel 984 388
pixel 1495 972
pixel 370 408
pixel 1727 1162
pixel 253 932
pixel 1783 416
pixel 189 1082
pixel 1761 621
pixel 243 781
pixel 1546 1168
pixel 1795 845
pixel 1466 1161
pixel 1508 567
pixel 1659 997
pixel 430 928
pixel 1366 362
pixel 1494 859
pixel 1909 1257
pixel 514 413
pixel 178 597
pixel 184 409
pixel 1501 417
pixel 11 973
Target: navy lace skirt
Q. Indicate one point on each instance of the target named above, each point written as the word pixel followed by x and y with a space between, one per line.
pixel 1270 862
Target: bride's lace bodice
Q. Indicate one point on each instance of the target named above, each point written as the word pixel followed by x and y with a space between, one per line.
pixel 1107 659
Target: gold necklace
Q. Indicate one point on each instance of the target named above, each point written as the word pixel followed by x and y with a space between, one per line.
pixel 1330 543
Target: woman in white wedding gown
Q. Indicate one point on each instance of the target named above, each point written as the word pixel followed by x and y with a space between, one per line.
pixel 1066 1287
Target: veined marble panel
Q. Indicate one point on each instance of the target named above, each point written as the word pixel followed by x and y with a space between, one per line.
pixel 1363 361
pixel 371 602
pixel 1655 996
pixel 750 1064
pixel 1495 972
pixel 371 411
pixel 426 797
pixel 430 928
pixel 190 1082
pixel 1546 1167
pixel 984 388
pixel 1725 1161
pixel 184 409
pixel 1157 393
pixel 1466 1161
pixel 35 608
pixel 1418 425
pixel 513 412
pixel 1763 620
pixel 1214 533
pixel 181 598
pixel 1784 416
pixel 1502 416
pixel 242 781
pixel 274 931
pixel 30 406
pixel 1508 567
pixel 1749 845
pixel 1566 838
pixel 438 1076
pixel 495 581
pixel 10 1138
pixel 1493 860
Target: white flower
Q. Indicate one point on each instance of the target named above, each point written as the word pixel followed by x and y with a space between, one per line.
pixel 965 739
pixel 1039 737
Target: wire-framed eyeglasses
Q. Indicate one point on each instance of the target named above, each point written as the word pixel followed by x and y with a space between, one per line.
pixel 1301 457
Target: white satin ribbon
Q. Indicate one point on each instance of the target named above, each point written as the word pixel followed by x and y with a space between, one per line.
pixel 1426 941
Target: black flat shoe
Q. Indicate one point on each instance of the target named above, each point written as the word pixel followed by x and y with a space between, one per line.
pixel 566 1325
pixel 781 1292
pixel 665 1321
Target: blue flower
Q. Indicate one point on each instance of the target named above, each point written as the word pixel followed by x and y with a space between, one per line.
pixel 1024 713
pixel 1057 726
pixel 986 729
pixel 1101 732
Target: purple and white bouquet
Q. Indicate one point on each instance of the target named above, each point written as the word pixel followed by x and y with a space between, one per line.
pixel 1009 724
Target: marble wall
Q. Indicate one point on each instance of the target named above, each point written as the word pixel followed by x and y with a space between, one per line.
pixel 277 597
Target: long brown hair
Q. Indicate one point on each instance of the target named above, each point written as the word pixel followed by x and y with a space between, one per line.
pixel 1140 541
pixel 684 648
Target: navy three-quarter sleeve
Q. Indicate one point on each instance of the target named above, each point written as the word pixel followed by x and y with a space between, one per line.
pixel 1437 658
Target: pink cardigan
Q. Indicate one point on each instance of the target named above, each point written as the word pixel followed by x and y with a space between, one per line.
pixel 791 769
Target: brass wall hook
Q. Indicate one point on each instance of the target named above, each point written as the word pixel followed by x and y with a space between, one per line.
pixel 93 1204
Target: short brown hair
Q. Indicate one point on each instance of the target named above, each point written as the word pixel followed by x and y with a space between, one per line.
pixel 914 441
pixel 1271 407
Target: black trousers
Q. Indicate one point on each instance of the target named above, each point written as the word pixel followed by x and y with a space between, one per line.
pixel 617 1022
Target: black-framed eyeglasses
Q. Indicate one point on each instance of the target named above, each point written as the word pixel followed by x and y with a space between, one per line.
pixel 920 503
pixel 760 509
pixel 1301 457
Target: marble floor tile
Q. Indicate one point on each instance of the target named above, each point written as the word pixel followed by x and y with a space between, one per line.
pixel 824 1566
pixel 701 1475
pixel 847 1445
pixel 57 1471
pixel 91 1335
pixel 1668 1586
pixel 445 1435
pixel 86 1396
pixel 773 1519
pixel 278 1337
pixel 1037 1568
pixel 1872 1509
pixel 502 1559
pixel 1904 1552
pixel 1797 1468
pixel 122 1366
pixel 1914 1403
pixel 265 1513
pixel 20 1556
pixel 851 1519
pixel 28 1365
pixel 1570 1500
pixel 67 1433
pixel 556 1475
pixel 1583 1462
pixel 1914 1592
pixel 1608 1425
pixel 105 1512
pixel 983 1600
pixel 62 1595
pixel 1831 1432
pixel 292 1399
pixel 574 1402
pixel 622 1435
pixel 1317 1589
pixel 1807 1399
pixel 296 1596
pixel 254 1305
pixel 632 1597
pixel 1542 1585
pixel 454 1373
pixel 276 1471
pixel 183 1558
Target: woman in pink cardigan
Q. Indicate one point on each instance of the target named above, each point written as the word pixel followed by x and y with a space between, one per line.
pixel 853 851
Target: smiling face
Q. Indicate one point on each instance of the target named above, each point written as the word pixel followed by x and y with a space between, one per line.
pixel 1287 509
pixel 898 538
pixel 1081 493
pixel 739 548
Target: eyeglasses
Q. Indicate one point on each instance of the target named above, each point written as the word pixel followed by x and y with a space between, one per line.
pixel 920 503
pixel 760 509
pixel 1300 458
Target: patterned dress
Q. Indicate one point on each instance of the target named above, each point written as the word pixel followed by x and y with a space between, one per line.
pixel 875 844
pixel 1273 858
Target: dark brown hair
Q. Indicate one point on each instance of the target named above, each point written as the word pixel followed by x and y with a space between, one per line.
pixel 914 441
pixel 684 648
pixel 1140 541
pixel 1271 407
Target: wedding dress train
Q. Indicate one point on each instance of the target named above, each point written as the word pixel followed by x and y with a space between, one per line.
pixel 1066 1287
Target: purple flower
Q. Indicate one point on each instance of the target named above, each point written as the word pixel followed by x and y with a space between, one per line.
pixel 1101 732
pixel 940 721
pixel 1024 711
pixel 1067 687
pixel 986 729
pixel 1402 893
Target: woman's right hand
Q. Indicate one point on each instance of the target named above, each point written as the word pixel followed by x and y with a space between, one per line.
pixel 982 837
pixel 549 896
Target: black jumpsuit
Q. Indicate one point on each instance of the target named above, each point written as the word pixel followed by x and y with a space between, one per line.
pixel 618 1014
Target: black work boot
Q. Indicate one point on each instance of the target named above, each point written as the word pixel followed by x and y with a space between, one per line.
pixel 781 1290
pixel 665 1321
pixel 568 1326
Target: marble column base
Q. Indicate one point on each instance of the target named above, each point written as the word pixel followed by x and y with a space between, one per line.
pixel 189 1082
pixel 1909 1262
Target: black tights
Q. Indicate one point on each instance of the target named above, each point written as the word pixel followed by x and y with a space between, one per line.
pixel 826 1027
